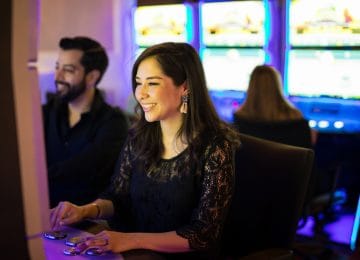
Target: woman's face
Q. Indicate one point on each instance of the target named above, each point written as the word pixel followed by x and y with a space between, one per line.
pixel 157 94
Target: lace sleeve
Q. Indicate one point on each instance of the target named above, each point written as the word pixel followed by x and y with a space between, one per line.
pixel 118 191
pixel 217 180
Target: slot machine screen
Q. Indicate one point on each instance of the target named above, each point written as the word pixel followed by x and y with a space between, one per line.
pixel 233 24
pixel 230 68
pixel 161 23
pixel 324 73
pixel 324 23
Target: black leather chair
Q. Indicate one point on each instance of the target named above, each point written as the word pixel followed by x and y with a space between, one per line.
pixel 292 132
pixel 271 182
pixel 321 195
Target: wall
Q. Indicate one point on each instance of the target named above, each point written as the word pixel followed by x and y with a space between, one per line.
pixel 109 22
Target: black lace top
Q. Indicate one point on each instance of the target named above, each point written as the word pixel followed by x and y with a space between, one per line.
pixel 175 195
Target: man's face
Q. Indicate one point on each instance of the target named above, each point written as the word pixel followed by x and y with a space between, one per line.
pixel 70 75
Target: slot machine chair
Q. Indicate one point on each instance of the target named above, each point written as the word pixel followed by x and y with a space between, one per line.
pixel 319 200
pixel 271 180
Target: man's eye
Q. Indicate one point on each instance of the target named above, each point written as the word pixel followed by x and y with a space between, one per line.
pixel 153 83
pixel 138 84
pixel 69 70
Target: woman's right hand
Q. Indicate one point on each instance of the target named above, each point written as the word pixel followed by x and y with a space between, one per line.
pixel 65 213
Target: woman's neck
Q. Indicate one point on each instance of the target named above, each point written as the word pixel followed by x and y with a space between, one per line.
pixel 173 143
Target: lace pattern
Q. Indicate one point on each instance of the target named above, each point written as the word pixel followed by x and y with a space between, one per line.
pixel 177 195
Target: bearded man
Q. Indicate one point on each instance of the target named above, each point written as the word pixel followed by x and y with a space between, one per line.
pixel 83 134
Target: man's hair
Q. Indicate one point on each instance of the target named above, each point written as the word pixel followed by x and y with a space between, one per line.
pixel 94 57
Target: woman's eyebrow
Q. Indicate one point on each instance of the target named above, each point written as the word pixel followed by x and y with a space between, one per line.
pixel 151 77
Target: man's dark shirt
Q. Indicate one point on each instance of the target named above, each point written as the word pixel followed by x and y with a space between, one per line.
pixel 81 159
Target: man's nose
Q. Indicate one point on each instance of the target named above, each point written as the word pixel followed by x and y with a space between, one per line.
pixel 58 74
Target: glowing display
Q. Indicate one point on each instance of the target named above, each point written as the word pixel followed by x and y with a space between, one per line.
pixel 160 23
pixel 324 73
pixel 229 68
pixel 233 23
pixel 324 22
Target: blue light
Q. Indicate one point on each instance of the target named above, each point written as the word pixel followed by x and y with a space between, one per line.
pixel 312 123
pixel 267 30
pixel 355 230
pixel 339 124
pixel 189 23
pixel 287 46
pixel 323 124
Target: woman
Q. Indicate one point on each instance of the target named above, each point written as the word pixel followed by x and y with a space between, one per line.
pixel 267 114
pixel 265 100
pixel 173 185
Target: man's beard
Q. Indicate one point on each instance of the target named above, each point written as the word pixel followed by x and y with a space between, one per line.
pixel 71 92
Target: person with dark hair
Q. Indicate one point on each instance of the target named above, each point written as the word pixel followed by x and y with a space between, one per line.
pixel 83 134
pixel 173 184
pixel 265 99
pixel 266 113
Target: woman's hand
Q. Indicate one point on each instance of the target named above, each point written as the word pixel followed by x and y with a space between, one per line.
pixel 65 213
pixel 116 242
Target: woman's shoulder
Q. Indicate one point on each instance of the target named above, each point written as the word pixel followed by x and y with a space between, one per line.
pixel 218 141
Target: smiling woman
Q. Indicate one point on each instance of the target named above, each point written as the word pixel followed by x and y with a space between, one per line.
pixel 157 94
pixel 174 179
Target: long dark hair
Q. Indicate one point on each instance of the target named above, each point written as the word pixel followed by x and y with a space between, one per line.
pixel 265 99
pixel 181 62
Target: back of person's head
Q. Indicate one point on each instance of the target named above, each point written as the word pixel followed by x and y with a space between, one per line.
pixel 265 99
pixel 181 63
pixel 94 55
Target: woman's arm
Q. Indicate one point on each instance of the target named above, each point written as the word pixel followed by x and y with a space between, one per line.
pixel 217 186
pixel 168 242
pixel 104 209
pixel 67 213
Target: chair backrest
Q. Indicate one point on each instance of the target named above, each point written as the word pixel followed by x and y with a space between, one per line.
pixel 271 182
pixel 292 132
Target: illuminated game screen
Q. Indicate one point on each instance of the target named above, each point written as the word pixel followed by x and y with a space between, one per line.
pixel 324 73
pixel 229 68
pixel 160 23
pixel 233 23
pixel 324 22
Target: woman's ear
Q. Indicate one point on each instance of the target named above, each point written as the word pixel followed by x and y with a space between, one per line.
pixel 92 77
pixel 185 88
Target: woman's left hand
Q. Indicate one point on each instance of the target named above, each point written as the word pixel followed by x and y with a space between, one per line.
pixel 116 242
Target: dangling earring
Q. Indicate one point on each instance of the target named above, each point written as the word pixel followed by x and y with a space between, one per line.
pixel 184 105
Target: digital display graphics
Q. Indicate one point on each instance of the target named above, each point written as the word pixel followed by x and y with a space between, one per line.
pixel 230 68
pixel 233 23
pixel 324 23
pixel 324 73
pixel 160 23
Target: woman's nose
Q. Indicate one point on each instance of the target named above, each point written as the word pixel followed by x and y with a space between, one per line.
pixel 142 91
